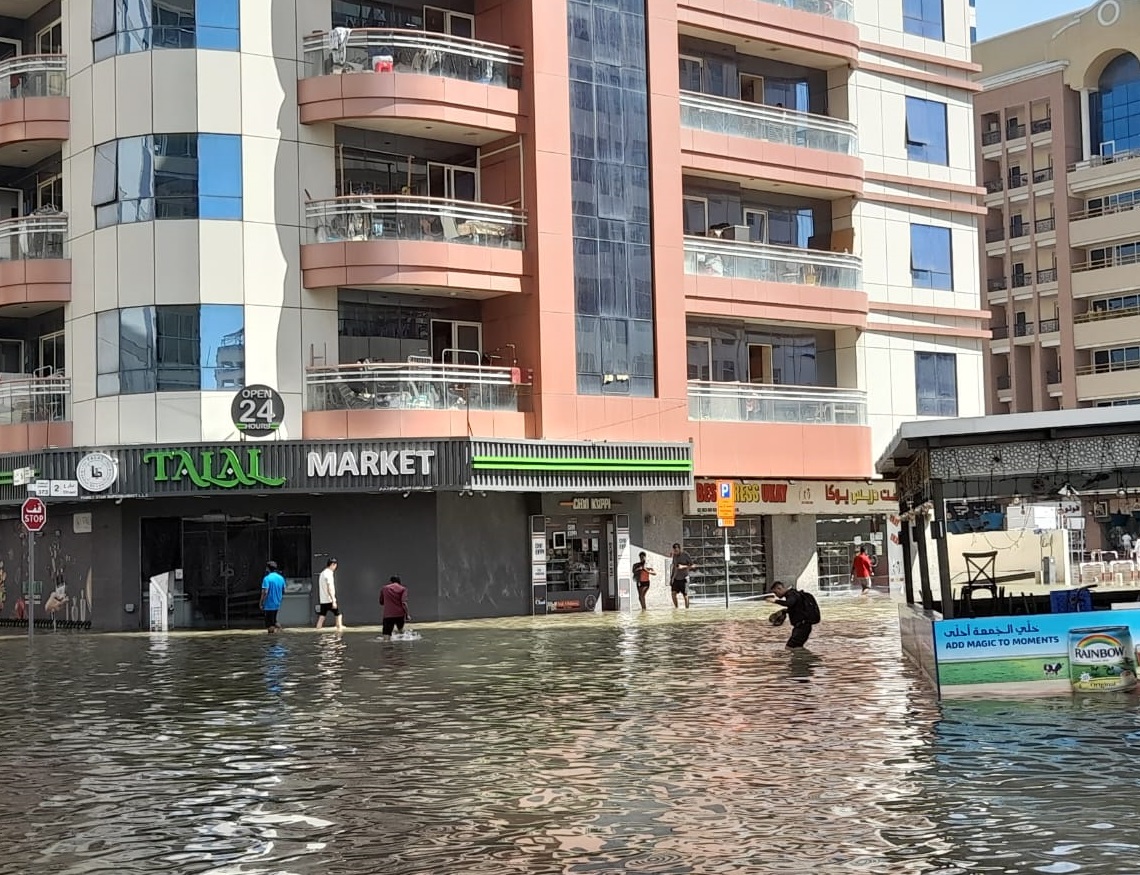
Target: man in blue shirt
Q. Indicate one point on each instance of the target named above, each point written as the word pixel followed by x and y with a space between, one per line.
pixel 272 592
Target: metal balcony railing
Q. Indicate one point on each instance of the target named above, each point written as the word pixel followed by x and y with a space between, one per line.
pixel 1004 382
pixel 840 10
pixel 1021 280
pixel 1016 231
pixel 1101 160
pixel 355 218
pixel 993 235
pixel 1049 275
pixel 1049 326
pixel 990 138
pixel 1044 226
pixel 1102 315
pixel 1110 259
pixel 1105 210
pixel 1018 180
pixel 739 118
pixel 1014 132
pixel 391 50
pixel 750 402
pixel 33 237
pixel 1045 174
pixel 1110 367
pixel 1023 329
pixel 1052 378
pixel 1041 125
pixel 993 186
pixel 999 332
pixel 33 76
pixel 997 284
pixel 413 386
pixel 34 399
pixel 706 256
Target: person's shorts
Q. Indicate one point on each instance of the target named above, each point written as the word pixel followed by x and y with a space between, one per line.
pixel 270 619
pixel 681 587
pixel 327 607
pixel 391 623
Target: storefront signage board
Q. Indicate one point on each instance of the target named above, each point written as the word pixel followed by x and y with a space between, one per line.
pixel 1081 652
pixel 769 497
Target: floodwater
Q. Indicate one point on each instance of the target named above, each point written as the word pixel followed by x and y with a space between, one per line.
pixel 677 742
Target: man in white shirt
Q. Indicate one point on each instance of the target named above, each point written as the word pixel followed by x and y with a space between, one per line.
pixel 327 587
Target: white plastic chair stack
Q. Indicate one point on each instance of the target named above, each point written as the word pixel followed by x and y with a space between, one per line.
pixel 1123 572
pixel 1093 573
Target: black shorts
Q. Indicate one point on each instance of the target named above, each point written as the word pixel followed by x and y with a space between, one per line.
pixel 391 623
pixel 800 634
pixel 326 607
pixel 681 587
pixel 270 619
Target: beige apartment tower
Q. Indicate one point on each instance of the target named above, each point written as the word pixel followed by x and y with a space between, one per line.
pixel 1058 140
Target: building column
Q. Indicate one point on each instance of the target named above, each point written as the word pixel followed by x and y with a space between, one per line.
pixel 1086 126
pixel 794 561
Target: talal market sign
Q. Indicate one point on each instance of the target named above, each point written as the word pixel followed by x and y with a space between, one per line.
pixel 823 497
pixel 242 467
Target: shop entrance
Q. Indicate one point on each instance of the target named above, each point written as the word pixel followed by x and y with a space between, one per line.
pixel 222 561
pixel 837 542
pixel 580 566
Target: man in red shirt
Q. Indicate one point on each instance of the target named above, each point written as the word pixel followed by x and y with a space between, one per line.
pixel 862 569
pixel 394 606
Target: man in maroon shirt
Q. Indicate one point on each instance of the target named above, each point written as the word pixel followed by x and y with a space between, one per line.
pixel 394 605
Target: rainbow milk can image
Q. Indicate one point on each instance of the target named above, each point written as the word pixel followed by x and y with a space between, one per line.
pixel 1101 659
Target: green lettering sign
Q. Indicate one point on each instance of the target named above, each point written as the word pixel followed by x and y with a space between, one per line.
pixel 221 469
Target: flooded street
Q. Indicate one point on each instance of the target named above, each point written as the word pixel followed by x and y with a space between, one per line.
pixel 671 743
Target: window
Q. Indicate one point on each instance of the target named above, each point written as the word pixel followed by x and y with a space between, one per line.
pixel 691 69
pixel 167 176
pixel 1123 358
pixel 49 41
pixel 926 135
pixel 931 259
pixel 174 348
pixel 699 356
pixel 923 18
pixel 696 216
pixel 120 27
pixel 936 383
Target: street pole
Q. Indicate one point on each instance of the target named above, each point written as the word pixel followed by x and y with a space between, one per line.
pixel 30 599
pixel 726 559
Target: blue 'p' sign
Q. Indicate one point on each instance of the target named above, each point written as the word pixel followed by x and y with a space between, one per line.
pixel 726 490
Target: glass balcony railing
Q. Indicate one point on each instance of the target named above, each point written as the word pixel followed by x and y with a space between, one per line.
pixel 33 237
pixel 34 399
pixel 404 217
pixel 33 76
pixel 739 118
pixel 840 10
pixel 390 50
pixel 705 256
pixel 414 386
pixel 750 402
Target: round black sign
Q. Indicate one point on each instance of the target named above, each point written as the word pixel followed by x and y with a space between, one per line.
pixel 257 410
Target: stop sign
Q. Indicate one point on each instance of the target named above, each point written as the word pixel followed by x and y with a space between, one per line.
pixel 34 514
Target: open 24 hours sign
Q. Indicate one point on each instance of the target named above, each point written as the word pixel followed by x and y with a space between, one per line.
pixel 770 497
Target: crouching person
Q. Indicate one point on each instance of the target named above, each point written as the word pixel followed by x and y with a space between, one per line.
pixel 803 612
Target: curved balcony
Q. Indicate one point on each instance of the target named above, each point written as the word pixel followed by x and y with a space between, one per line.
pixel 34 107
pixel 397 240
pixel 410 82
pixel 414 399
pixel 753 280
pixel 34 413
pixel 807 431
pixel 34 268
pixel 727 137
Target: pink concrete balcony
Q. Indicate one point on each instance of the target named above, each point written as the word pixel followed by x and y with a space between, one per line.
pixel 34 268
pixel 416 399
pixel 368 241
pixel 34 107
pixel 34 413
pixel 411 82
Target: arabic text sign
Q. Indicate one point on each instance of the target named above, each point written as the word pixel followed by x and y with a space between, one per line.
pixel 754 497
pixel 1023 654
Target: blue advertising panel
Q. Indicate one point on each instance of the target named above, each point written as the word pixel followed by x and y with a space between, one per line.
pixel 1086 652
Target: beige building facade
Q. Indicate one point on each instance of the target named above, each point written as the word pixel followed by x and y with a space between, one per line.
pixel 1058 152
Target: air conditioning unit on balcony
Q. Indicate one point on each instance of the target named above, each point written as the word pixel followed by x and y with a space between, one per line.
pixel 741 233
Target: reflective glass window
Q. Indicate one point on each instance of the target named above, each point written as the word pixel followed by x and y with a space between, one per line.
pixel 927 138
pixel 931 257
pixel 126 26
pixel 936 383
pixel 1114 108
pixel 924 18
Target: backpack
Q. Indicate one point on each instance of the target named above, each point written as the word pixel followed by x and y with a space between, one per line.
pixel 811 608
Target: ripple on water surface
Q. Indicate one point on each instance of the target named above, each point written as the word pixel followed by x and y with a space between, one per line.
pixel 669 743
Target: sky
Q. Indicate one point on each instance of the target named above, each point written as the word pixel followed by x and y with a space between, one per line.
pixel 999 16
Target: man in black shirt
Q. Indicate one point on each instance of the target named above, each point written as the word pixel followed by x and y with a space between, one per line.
pixel 679 575
pixel 803 612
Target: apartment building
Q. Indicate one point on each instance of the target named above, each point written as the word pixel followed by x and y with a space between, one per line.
pixel 503 285
pixel 1058 126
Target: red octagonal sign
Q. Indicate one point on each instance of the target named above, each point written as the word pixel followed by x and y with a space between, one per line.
pixel 34 514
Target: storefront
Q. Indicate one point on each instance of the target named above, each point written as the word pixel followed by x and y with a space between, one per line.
pixel 804 532
pixel 449 516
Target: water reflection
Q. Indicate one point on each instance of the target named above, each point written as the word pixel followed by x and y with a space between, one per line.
pixel 669 743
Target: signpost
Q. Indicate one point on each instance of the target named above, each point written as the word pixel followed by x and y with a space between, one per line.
pixel 34 516
pixel 726 519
